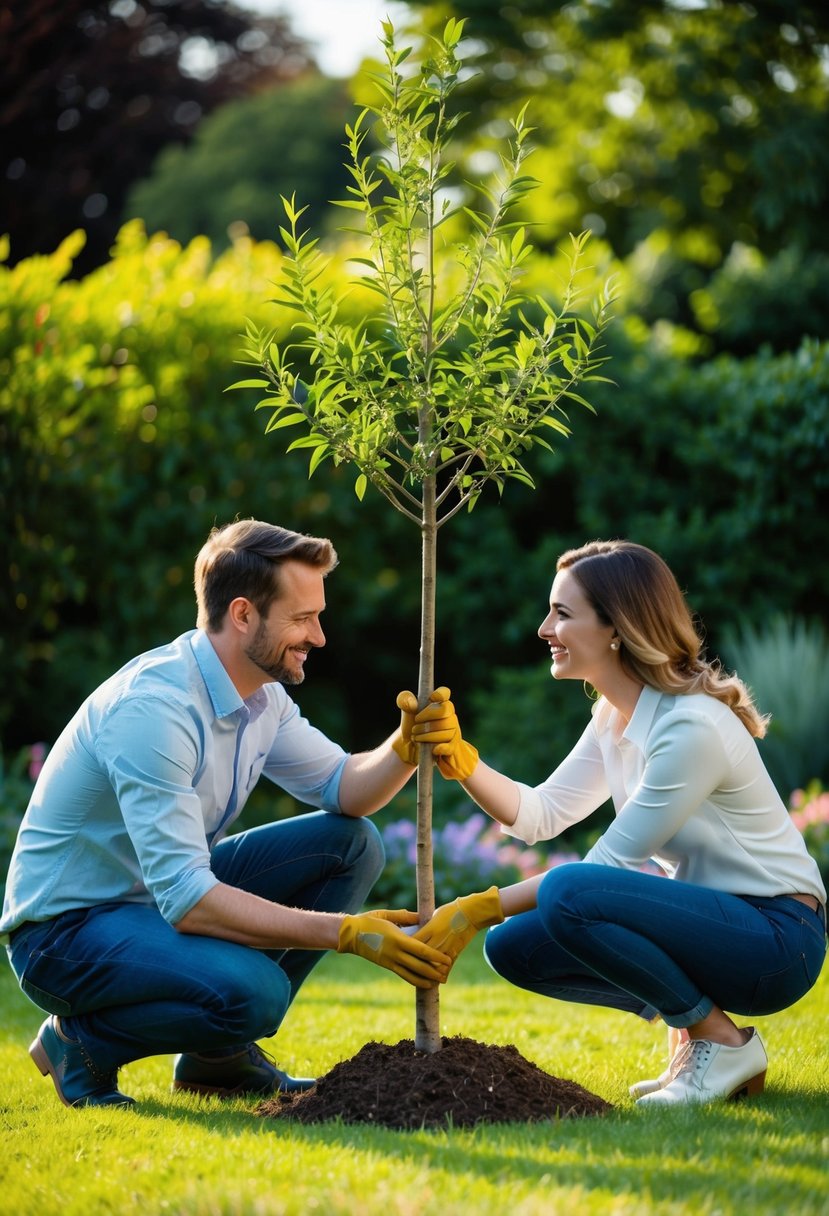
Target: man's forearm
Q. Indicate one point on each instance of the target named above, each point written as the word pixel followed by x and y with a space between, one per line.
pixel 238 916
pixel 371 779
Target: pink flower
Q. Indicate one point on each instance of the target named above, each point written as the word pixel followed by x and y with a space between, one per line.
pixel 37 754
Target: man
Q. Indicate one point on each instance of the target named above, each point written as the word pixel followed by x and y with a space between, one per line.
pixel 132 919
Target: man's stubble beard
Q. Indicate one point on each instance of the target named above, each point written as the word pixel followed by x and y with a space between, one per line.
pixel 259 654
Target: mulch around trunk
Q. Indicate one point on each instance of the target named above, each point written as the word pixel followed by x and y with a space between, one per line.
pixel 464 1084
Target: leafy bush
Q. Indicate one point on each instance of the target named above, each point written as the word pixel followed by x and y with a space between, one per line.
pixel 753 301
pixel 786 664
pixel 119 450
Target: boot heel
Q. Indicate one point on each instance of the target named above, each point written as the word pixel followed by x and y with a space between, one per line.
pixel 40 1058
pixel 749 1088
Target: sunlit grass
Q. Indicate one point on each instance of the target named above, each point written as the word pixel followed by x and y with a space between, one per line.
pixel 179 1154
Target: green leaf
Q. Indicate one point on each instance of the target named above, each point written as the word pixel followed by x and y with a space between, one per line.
pixel 248 384
pixel 317 458
pixel 360 486
pixel 287 420
pixel 308 441
pixel 554 424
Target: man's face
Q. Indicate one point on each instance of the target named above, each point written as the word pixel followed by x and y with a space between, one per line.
pixel 291 629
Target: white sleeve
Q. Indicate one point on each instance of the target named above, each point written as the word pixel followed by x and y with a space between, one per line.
pixel 572 792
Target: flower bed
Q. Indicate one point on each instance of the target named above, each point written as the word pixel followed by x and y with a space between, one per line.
pixel 469 855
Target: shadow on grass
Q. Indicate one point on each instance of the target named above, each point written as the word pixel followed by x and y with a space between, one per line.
pixel 762 1155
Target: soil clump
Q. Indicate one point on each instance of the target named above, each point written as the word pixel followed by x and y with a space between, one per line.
pixel 464 1084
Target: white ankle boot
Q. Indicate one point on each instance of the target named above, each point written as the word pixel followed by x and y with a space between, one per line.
pixel 709 1071
pixel 640 1088
pixel 677 1040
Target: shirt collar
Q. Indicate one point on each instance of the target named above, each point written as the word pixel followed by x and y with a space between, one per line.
pixel 639 726
pixel 221 689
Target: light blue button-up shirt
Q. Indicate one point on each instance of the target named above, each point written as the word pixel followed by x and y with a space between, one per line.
pixel 148 775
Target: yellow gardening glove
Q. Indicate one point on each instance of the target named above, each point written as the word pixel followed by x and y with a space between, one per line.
pixel 403 743
pixel 438 724
pixel 378 937
pixel 453 926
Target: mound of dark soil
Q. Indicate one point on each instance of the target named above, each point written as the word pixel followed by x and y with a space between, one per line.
pixel 463 1084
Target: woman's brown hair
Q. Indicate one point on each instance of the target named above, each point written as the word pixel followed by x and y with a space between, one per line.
pixel 631 588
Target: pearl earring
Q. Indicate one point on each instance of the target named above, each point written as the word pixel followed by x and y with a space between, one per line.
pixel 614 645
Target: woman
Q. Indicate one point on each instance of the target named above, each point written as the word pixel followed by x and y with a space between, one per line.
pixel 741 925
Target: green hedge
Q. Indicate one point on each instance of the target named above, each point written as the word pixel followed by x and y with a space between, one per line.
pixel 120 449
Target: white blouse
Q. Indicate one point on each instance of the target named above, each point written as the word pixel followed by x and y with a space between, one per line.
pixel 689 789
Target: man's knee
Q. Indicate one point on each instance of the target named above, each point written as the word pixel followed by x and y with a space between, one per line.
pixel 370 845
pixel 254 998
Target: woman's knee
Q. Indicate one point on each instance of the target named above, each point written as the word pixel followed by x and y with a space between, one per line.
pixel 494 952
pixel 503 950
pixel 560 895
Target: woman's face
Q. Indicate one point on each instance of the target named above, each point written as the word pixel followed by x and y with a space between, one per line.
pixel 579 642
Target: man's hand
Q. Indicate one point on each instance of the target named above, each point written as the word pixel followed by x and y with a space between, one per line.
pixel 438 724
pixel 453 926
pixel 403 743
pixel 378 937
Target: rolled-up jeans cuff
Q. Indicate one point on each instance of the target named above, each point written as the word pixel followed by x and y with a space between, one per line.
pixel 680 1021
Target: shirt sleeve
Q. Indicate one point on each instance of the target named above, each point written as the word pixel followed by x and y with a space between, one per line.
pixel 685 760
pixel 305 762
pixel 573 791
pixel 150 749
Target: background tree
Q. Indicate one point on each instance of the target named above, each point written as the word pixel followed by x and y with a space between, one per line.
pixel 243 157
pixel 449 384
pixel 671 130
pixel 91 90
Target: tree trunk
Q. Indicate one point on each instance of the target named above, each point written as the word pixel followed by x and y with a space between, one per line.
pixel 427 1022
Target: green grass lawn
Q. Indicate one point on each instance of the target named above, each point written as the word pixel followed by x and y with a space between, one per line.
pixel 179 1154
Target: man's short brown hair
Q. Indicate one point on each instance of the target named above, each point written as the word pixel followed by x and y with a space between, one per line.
pixel 243 558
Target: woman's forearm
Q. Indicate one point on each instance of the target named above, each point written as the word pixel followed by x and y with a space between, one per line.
pixel 521 896
pixel 494 793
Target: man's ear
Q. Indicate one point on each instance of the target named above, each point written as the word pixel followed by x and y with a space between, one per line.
pixel 241 613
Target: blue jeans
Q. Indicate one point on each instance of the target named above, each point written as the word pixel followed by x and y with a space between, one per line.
pixel 651 945
pixel 127 984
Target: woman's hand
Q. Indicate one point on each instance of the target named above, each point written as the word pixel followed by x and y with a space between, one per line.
pixel 438 725
pixel 403 743
pixel 453 926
